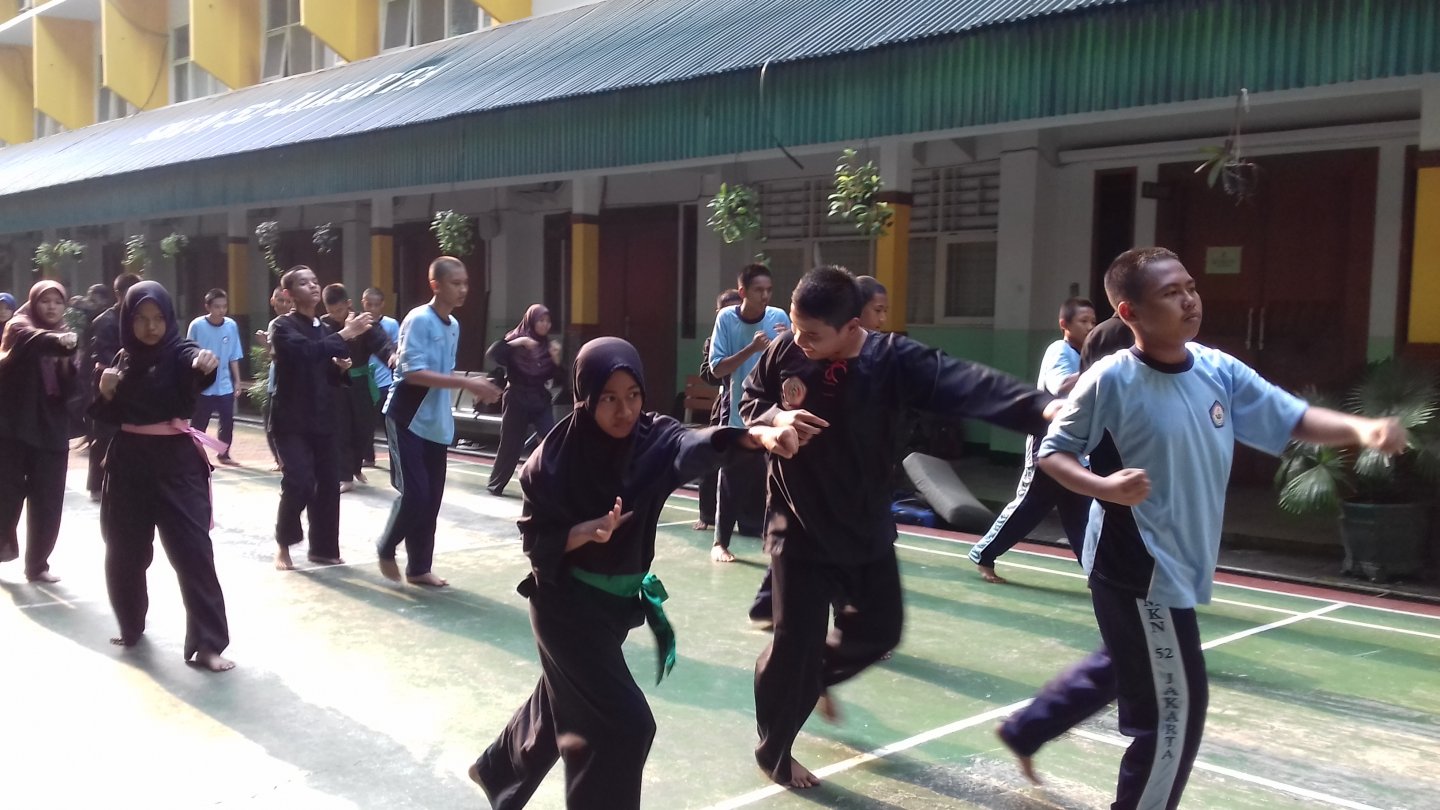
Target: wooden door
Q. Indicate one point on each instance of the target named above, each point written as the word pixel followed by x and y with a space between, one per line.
pixel 639 264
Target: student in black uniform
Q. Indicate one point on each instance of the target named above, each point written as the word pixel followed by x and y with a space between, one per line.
pixel 530 361
pixel 104 345
pixel 719 415
pixel 829 531
pixel 310 358
pixel 593 493
pixel 157 476
pixel 36 380
pixel 354 403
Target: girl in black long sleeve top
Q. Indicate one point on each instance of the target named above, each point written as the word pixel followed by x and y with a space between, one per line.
pixel 37 376
pixel 157 477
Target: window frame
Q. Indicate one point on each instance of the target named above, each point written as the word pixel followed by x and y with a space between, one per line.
pixel 943 243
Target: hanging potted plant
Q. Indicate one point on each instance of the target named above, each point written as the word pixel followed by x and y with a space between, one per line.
pixel 454 232
pixel 1383 502
pixel 50 255
pixel 854 199
pixel 735 213
pixel 173 245
pixel 267 235
pixel 1227 165
pixel 137 254
pixel 325 238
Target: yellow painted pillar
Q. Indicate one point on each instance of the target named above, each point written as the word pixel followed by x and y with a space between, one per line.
pixel 64 60
pixel 892 257
pixel 382 264
pixel 584 269
pixel 506 10
pixel 17 95
pixel 237 259
pixel 9 9
pixel 350 27
pixel 134 42
pixel 1424 326
pixel 225 40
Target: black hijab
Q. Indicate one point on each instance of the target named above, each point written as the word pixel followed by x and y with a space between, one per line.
pixel 532 362
pixel 139 356
pixel 579 470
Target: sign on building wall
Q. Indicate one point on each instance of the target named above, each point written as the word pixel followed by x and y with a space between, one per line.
pixel 1222 261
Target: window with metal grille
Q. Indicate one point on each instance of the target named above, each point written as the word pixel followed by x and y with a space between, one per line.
pixel 956 198
pixel 415 22
pixel 290 49
pixel 968 280
pixel 187 79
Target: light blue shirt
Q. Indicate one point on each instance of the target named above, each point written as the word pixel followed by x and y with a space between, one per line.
pixel 224 341
pixel 1060 361
pixel 731 335
pixel 1180 425
pixel 383 376
pixel 427 343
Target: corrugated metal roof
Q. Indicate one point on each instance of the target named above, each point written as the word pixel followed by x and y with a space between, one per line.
pixel 582 52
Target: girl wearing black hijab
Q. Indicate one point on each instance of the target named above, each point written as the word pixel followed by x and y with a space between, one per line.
pixel 157 475
pixel 530 361
pixel 593 494
pixel 37 377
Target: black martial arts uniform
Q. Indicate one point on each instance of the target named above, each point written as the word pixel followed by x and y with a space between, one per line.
pixel 158 482
pixel 587 708
pixel 355 403
pixel 37 377
pixel 829 530
pixel 104 345
pixel 303 425
pixel 526 402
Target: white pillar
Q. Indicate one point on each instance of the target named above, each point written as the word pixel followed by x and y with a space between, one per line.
pixel 1430 114
pixel 1020 170
pixel 355 249
pixel 1385 269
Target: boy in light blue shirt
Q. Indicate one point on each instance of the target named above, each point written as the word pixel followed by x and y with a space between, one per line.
pixel 219 334
pixel 741 334
pixel 420 425
pixel 1173 410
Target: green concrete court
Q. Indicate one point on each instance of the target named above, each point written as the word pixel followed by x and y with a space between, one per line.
pixel 352 692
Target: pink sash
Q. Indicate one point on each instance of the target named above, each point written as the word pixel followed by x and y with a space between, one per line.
pixel 180 427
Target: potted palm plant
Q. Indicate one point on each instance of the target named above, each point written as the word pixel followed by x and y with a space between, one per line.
pixel 1384 503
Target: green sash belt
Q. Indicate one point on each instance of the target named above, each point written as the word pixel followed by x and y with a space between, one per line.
pixel 652 593
pixel 369 375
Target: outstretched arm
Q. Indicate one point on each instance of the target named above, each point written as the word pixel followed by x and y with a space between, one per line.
pixel 1324 426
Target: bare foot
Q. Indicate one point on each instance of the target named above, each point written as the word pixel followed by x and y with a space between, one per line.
pixel 987 573
pixel 282 559
pixel 701 526
pixel 347 486
pixel 1027 764
pixel 801 777
pixel 390 569
pixel 721 554
pixel 360 478
pixel 829 709
pixel 43 576
pixel 318 560
pixel 427 579
pixel 121 641
pixel 213 661
pixel 474 773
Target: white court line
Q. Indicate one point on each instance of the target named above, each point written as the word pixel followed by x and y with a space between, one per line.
pixel 1304 793
pixel 860 759
pixel 960 725
pixel 674 523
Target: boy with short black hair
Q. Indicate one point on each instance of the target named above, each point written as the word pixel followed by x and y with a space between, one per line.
pixel 373 300
pixel 1037 493
pixel 1174 410
pixel 217 333
pixel 876 310
pixel 829 531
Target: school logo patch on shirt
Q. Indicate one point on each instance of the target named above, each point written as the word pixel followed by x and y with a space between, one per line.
pixel 792 393
pixel 1217 414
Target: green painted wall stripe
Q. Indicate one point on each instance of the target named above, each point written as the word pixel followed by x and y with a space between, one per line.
pixel 1103 59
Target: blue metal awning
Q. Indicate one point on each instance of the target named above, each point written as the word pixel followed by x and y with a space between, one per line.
pixel 586 51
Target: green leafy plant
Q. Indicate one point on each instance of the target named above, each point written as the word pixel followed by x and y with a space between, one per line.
pixel 735 213
pixel 267 235
pixel 454 232
pixel 173 245
pixel 50 254
pixel 1226 164
pixel 137 254
pixel 259 392
pixel 1315 480
pixel 326 238
pixel 854 199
